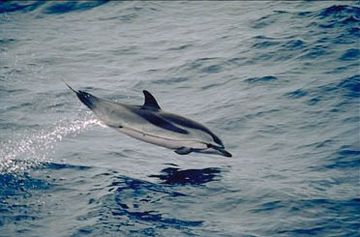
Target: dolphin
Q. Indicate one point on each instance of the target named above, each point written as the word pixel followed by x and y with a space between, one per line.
pixel 149 123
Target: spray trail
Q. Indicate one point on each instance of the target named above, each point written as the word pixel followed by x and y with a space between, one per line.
pixel 20 154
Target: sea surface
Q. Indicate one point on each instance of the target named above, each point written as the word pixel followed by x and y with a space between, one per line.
pixel 278 82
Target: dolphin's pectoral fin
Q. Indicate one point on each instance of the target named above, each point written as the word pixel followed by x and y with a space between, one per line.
pixel 183 150
pixel 150 101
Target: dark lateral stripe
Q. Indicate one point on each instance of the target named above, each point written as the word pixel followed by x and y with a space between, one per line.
pixel 162 123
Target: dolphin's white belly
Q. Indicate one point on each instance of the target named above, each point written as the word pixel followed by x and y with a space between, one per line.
pixel 164 140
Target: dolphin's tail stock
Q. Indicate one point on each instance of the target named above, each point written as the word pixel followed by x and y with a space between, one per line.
pixel 87 99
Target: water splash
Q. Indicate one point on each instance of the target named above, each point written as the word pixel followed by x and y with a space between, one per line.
pixel 30 150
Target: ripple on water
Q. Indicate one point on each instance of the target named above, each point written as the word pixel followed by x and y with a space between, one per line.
pixel 347 88
pixel 71 6
pixel 19 6
pixel 346 157
pixel 338 11
pixel 261 80
pixel 350 54
pixel 138 205
pixel 16 199
pixel 297 94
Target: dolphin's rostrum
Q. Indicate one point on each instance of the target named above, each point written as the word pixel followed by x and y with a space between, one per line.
pixel 151 124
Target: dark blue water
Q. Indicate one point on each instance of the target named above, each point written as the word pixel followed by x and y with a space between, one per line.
pixel 279 82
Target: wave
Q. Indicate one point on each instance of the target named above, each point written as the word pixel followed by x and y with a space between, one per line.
pixel 346 157
pixel 348 88
pixel 139 206
pixel 11 6
pixel 56 7
pixel 336 11
pixel 350 54
pixel 261 80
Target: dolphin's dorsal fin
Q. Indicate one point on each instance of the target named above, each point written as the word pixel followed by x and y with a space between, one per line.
pixel 150 101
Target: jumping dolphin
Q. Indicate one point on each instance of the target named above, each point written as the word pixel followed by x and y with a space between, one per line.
pixel 149 123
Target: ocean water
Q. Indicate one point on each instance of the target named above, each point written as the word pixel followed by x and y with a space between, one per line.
pixel 279 82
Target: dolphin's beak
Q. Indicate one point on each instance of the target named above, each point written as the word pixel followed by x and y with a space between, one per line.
pixel 219 150
pixel 225 153
pixel 215 151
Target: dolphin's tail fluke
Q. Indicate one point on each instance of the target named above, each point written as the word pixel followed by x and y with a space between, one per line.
pixel 87 99
pixel 70 87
